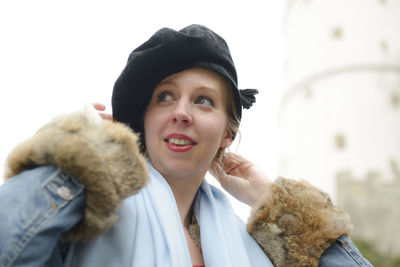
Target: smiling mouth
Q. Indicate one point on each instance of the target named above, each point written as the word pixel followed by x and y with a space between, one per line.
pixel 179 142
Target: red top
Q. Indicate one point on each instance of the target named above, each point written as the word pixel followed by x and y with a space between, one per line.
pixel 198 266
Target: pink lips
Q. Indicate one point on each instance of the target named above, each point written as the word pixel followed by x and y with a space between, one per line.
pixel 179 148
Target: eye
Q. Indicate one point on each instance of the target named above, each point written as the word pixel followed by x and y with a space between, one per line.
pixel 164 97
pixel 205 101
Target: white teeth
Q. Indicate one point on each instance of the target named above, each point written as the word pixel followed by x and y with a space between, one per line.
pixel 179 141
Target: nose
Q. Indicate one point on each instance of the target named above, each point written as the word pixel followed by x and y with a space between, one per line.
pixel 182 113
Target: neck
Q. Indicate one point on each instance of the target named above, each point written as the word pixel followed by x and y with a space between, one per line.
pixel 184 190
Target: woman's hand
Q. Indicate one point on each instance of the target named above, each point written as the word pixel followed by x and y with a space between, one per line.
pixel 100 107
pixel 241 178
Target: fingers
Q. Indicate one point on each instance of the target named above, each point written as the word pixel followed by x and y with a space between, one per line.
pixel 236 157
pixel 106 116
pixel 222 177
pixel 101 107
pixel 219 168
pixel 235 164
pixel 217 171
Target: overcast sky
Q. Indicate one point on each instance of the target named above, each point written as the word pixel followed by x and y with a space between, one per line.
pixel 55 56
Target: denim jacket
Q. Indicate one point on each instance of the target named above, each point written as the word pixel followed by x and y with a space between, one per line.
pixel 36 206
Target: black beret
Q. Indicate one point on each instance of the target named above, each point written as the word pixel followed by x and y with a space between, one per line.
pixel 168 52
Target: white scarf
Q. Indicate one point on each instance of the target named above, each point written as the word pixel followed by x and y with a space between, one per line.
pixel 150 233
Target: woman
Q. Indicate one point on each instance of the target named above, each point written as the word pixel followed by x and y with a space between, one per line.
pixel 179 91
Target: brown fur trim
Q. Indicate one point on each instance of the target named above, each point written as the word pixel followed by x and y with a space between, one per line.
pixel 103 155
pixel 295 223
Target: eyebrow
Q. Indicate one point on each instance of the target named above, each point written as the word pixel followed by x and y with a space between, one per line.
pixel 201 87
pixel 165 82
pixel 211 90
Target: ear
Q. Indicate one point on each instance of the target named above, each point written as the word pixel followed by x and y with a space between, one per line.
pixel 227 140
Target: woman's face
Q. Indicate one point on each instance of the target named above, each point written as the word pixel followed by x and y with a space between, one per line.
pixel 186 123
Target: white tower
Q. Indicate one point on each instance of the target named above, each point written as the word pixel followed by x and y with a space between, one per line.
pixel 340 112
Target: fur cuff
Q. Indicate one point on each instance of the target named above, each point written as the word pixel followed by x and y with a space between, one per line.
pixel 103 155
pixel 295 223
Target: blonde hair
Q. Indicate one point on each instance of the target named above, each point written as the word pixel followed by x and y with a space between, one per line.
pixel 233 116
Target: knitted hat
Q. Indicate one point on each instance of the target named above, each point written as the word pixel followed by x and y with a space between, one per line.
pixel 168 52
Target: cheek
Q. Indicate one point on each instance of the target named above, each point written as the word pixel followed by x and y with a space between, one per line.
pixel 154 124
pixel 150 124
pixel 216 128
pixel 151 118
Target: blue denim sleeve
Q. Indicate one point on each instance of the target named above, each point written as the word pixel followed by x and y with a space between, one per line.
pixel 36 206
pixel 343 253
